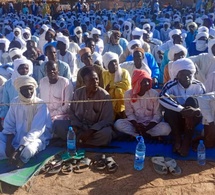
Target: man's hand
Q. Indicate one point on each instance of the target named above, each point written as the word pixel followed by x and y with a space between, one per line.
pixel 190 112
pixel 9 151
pixel 86 135
pixel 107 88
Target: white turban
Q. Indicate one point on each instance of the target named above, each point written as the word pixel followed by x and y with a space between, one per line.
pixel 137 31
pixel 201 34
pixel 15 51
pixel 78 28
pixel 146 26
pixel 17 63
pixel 176 49
pixel 18 30
pixel 95 31
pixel 174 32
pixel 211 43
pixel 30 110
pixel 107 58
pixel 203 29
pixel 60 37
pixel 134 42
pixel 45 27
pixel 23 81
pixel 192 24
pixel 6 43
pixel 183 64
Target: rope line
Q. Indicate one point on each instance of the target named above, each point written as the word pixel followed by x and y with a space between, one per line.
pixel 106 100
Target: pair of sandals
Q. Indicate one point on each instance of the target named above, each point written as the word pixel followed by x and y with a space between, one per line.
pixel 164 165
pixel 101 162
pixel 56 166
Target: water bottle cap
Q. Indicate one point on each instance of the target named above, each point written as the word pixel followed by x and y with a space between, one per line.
pixel 139 138
pixel 70 128
pixel 201 141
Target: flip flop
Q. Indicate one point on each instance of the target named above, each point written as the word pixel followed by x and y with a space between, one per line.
pixel 159 165
pixel 174 169
pixel 53 167
pixel 99 162
pixel 111 164
pixel 66 168
pixel 81 165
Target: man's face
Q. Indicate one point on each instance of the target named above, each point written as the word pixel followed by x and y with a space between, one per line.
pixel 23 69
pixel 52 71
pixel 48 36
pixel 184 78
pixel 91 81
pixel 213 50
pixel 96 37
pixel 27 91
pixel 144 86
pixel 32 54
pixel 61 45
pixel 51 54
pixel 113 66
pixel 91 45
pixel 26 35
pixel 177 39
pixel 179 55
pixel 87 59
pixel 2 46
pixel 16 33
pixel 138 57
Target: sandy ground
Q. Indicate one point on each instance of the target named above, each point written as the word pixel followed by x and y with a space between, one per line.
pixel 194 179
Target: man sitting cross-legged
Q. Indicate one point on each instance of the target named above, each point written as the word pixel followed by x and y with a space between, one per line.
pixel 27 126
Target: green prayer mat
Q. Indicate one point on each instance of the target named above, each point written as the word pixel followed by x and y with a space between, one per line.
pixel 19 177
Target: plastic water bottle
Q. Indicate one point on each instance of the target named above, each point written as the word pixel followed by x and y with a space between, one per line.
pixel 201 153
pixel 71 142
pixel 140 154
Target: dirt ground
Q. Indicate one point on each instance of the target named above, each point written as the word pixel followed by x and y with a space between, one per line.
pixel 194 179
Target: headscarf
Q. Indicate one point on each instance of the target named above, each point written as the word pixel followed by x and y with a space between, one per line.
pixel 6 43
pixel 183 64
pixel 107 58
pixel 60 37
pixel 201 45
pixel 176 49
pixel 192 24
pixel 31 109
pixel 95 31
pixel 127 33
pixel 137 77
pixel 26 30
pixel 211 43
pixel 203 29
pixel 174 32
pixel 15 51
pixel 17 63
pixel 134 42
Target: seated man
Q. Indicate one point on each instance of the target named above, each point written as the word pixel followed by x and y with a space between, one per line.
pixel 86 58
pixel 143 109
pixel 116 82
pixel 57 91
pixel 27 126
pixel 92 121
pixel 178 103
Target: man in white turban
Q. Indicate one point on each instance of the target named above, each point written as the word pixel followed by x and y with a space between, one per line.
pixel 22 66
pixel 27 126
pixel 95 34
pixel 116 81
pixel 65 55
pixel 177 99
pixel 205 62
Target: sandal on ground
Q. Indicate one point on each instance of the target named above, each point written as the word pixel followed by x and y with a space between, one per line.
pixel 81 165
pixel 53 167
pixel 99 162
pixel 111 164
pixel 66 168
pixel 159 165
pixel 171 164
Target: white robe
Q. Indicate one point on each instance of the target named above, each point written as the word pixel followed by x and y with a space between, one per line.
pixel 55 95
pixel 15 123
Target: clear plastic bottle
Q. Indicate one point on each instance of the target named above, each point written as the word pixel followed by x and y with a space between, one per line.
pixel 140 154
pixel 201 153
pixel 71 142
